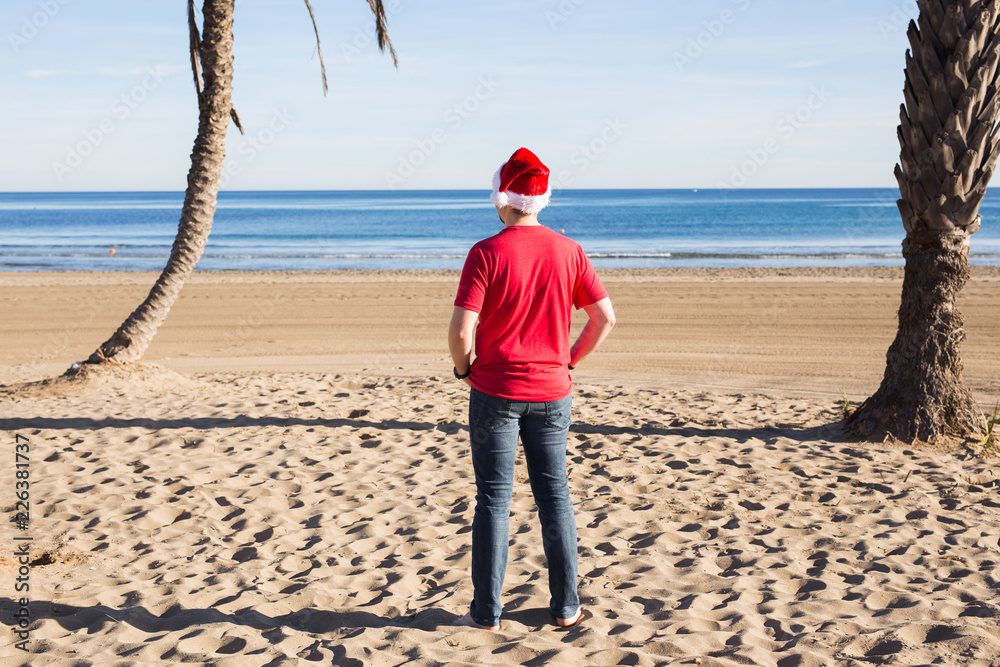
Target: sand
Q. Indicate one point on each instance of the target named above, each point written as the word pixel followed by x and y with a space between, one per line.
pixel 290 483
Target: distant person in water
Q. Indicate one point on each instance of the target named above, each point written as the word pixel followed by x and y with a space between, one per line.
pixel 521 285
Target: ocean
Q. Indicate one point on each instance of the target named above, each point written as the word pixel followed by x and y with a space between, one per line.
pixel 434 229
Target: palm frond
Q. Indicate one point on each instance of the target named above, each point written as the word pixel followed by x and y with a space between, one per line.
pixel 381 33
pixel 236 119
pixel 195 39
pixel 319 49
pixel 378 9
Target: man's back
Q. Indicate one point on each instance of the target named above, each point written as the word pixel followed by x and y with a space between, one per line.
pixel 523 283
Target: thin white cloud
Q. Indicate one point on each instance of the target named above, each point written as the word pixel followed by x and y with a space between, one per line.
pixel 42 73
pixel 118 71
pixel 134 71
pixel 806 64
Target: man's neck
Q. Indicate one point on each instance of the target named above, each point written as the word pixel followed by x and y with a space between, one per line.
pixel 518 219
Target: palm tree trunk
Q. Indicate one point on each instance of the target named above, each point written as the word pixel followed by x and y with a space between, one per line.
pixel 922 395
pixel 131 340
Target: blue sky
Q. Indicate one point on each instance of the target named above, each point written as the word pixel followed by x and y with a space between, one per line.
pixel 632 93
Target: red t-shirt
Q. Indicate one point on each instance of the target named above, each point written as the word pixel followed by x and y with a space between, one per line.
pixel 523 282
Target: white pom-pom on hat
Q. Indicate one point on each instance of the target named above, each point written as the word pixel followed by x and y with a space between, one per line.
pixel 522 182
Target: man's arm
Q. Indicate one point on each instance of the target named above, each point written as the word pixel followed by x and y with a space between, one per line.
pixel 460 338
pixel 602 319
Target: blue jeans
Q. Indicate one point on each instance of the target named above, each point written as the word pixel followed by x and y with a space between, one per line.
pixel 494 426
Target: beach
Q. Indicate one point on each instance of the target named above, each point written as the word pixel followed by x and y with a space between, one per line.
pixel 289 482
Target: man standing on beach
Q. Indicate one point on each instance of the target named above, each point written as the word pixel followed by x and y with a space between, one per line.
pixel 521 285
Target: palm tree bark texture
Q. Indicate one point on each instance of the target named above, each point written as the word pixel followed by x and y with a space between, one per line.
pixel 132 338
pixel 949 148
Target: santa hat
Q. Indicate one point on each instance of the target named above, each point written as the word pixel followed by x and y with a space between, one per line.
pixel 522 182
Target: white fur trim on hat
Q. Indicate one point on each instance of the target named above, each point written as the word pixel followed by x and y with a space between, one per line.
pixel 525 203
pixel 498 198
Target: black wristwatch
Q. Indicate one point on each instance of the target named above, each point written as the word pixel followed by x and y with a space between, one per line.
pixel 462 377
